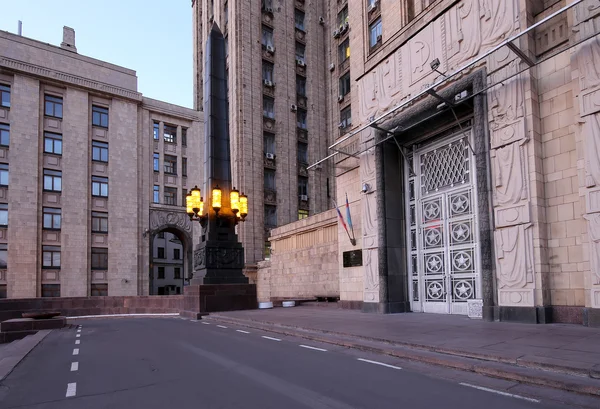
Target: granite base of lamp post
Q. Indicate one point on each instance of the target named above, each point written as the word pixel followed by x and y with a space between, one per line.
pixel 201 299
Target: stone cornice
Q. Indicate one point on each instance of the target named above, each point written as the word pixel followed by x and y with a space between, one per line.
pixel 68 78
pixel 171 109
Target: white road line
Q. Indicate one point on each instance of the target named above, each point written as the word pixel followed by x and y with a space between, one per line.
pixel 71 389
pixel 221 326
pixel 175 314
pixel 205 323
pixel 242 331
pixel 481 388
pixel 272 339
pixel 74 366
pixel 315 348
pixel 78 335
pixel 379 363
pixel 76 351
pixel 79 330
pixel 77 342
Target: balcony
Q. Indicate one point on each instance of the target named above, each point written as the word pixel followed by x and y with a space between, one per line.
pixel 270 196
pixel 268 53
pixel 301 101
pixel 300 35
pixel 268 124
pixel 268 88
pixel 303 169
pixel 301 66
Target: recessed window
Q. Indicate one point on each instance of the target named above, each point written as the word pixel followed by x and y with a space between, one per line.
pixel 301 118
pixel 269 179
pixel 183 136
pixel 3 257
pixel 177 273
pixel 345 118
pixel 99 222
pixel 184 167
pixel 99 290
pixel 53 106
pixel 4 135
pixel 267 4
pixel 267 71
pixel 52 180
pixel 3 174
pixel 170 165
pixel 270 216
pixel 156 162
pixel 302 214
pixel 299 19
pixel 50 257
pixel 170 134
pixel 5 96
pixel 302 153
pixel 99 258
pixel 52 143
pixel 156 194
pixel 52 218
pixel 375 33
pixel 176 254
pixel 267 36
pixel 99 151
pixel 3 215
pixel 300 51
pixel 269 142
pixel 99 116
pixel 155 130
pixel 171 196
pixel 342 16
pixel 160 252
pixel 161 273
pixel 268 107
pixel 300 86
pixel 345 84
pixel 99 186
pixel 50 290
pixel 344 51
pixel 302 186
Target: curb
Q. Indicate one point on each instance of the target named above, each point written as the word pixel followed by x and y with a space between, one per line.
pixel 27 344
pixel 477 363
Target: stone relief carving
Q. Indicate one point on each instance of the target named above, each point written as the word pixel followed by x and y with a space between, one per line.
pixel 371 293
pixel 595 298
pixel 594 237
pixel 509 175
pixel 592 200
pixel 369 220
pixel 591 132
pixel 380 86
pixel 515 298
pixel 507 101
pixel 588 60
pixel 585 10
pixel 160 218
pixel 513 256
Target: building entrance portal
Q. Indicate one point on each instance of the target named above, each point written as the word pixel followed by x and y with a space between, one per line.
pixel 443 235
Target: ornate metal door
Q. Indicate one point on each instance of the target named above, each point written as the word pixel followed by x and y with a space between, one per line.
pixel 444 255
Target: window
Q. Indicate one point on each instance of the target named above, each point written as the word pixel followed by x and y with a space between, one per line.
pixel 302 186
pixel 345 84
pixel 99 258
pixel 267 4
pixel 269 142
pixel 270 216
pixel 177 273
pixel 99 151
pixel 50 290
pixel 156 162
pixel 184 167
pixel 52 218
pixel 99 222
pixel 3 214
pixel 4 134
pixel 160 252
pixel 170 134
pixel 52 180
pixel 171 196
pixel 300 51
pixel 161 273
pixel 267 36
pixel 52 143
pixel 301 86
pixel 226 13
pixel 345 118
pixel 160 235
pixel 176 254
pixel 3 256
pixel 155 131
pixel 3 174
pixel 299 19
pixel 170 164
pixel 344 51
pixel 301 118
pixel 156 194
pixel 50 257
pixel 371 3
pixel 99 290
pixel 267 71
pixel 268 107
pixel 183 136
pixel 183 196
pixel 99 186
pixel 302 214
pixel 302 153
pixel 99 116
pixel 269 179
pixel 4 96
pixel 53 106
pixel 375 33
pixel 343 16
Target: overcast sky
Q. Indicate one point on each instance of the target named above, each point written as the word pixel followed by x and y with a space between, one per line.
pixel 152 37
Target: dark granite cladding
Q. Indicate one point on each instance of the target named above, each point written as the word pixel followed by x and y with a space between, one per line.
pixel 591 317
pixel 351 305
pixel 567 315
pixel 202 299
pixel 30 324
pixel 527 315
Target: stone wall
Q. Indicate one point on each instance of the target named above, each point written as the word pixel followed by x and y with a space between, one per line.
pixel 304 260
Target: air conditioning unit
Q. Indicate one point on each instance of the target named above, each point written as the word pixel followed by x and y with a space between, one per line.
pixel 331 67
pixel 304 198
pixel 341 125
pixel 270 49
pixel 340 98
pixel 300 62
pixel 294 107
pixel 268 83
pixel 379 38
pixel 321 20
pixel 336 33
pixel 269 155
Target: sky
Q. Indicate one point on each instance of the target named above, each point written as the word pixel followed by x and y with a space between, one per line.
pixel 152 37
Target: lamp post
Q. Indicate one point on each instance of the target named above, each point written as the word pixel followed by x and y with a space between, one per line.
pixel 238 203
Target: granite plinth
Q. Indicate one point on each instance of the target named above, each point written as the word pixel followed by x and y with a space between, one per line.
pixel 205 298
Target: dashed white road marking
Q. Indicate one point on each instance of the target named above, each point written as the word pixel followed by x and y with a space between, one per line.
pixel 221 326
pixel 242 331
pixel 272 339
pixel 78 335
pixel 71 389
pixel 77 342
pixel 74 366
pixel 205 323
pixel 379 363
pixel 315 348
pixel 78 329
pixel 76 351
pixel 481 388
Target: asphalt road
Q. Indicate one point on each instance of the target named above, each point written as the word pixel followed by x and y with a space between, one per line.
pixel 175 363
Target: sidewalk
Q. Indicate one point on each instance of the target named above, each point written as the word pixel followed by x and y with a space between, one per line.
pixel 13 353
pixel 445 340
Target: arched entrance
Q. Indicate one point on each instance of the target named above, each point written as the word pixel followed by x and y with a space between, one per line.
pixel 171 252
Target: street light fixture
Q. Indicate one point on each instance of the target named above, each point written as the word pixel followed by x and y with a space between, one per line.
pixel 194 204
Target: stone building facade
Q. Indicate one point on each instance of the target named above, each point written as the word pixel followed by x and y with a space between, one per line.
pixel 90 170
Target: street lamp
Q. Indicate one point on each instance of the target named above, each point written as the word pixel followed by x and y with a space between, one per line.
pixel 194 204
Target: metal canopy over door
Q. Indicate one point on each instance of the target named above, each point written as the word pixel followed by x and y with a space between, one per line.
pixel 443 235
